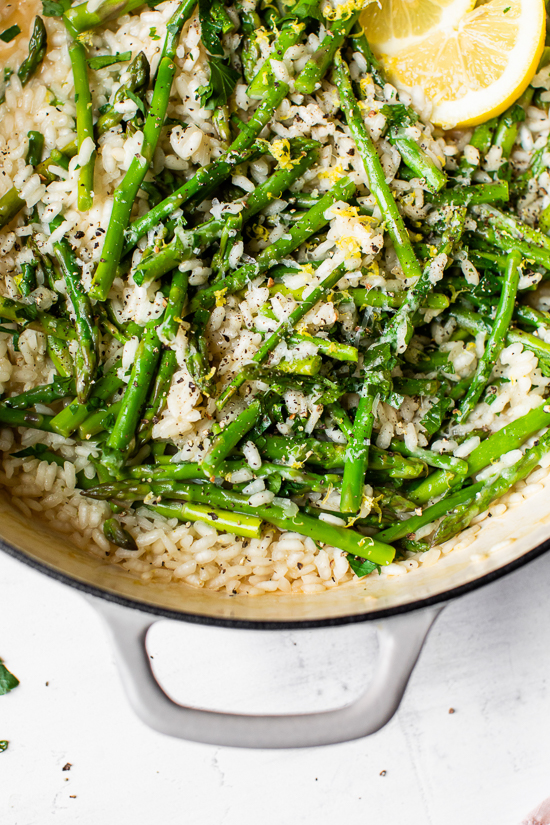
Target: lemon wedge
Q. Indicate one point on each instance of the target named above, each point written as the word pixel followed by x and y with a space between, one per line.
pixel 393 25
pixel 470 67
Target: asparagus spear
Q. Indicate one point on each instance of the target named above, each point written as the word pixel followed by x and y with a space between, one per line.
pixel 375 173
pixel 116 534
pixel 168 329
pixel 60 356
pixel 126 192
pixel 85 325
pixel 508 438
pixel 45 394
pixel 345 538
pixel 84 123
pixel 24 418
pixel 290 33
pixel 67 421
pixel 155 266
pixel 417 160
pixel 38 45
pixel 212 174
pixel 333 456
pixel 122 437
pixel 228 438
pixel 319 62
pixel 495 342
pixel 409 525
pixel 157 399
pixel 463 514
pixel 288 324
pixel 475 323
pixel 79 19
pixel 300 232
pixel 137 81
pixel 479 193
pixel 224 521
pixel 36 147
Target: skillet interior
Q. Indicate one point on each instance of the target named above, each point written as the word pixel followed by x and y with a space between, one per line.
pixel 501 545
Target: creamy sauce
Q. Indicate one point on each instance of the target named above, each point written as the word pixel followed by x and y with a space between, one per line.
pixel 14 13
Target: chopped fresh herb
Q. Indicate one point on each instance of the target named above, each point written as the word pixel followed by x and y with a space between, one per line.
pixel 3 745
pixel 16 335
pixel 362 567
pixel 398 116
pixel 223 80
pixel 212 27
pixel 42 452
pixel 55 8
pixel 54 101
pixel 506 10
pixel 10 34
pixel 305 9
pixel 139 103
pixel 104 60
pixel 7 680
pixel 153 33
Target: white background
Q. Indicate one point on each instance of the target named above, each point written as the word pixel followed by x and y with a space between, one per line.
pixel 488 657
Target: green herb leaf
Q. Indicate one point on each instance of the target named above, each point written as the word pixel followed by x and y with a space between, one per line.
pixel 104 60
pixel 55 8
pixel 211 28
pixel 139 103
pixel 3 745
pixel 42 452
pixel 304 9
pixel 223 80
pixel 153 33
pixel 10 34
pixel 362 567
pixel 7 680
pixel 398 116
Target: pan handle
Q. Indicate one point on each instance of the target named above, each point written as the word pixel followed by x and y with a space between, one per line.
pixel 400 642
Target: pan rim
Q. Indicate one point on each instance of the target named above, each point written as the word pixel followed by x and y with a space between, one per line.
pixel 296 624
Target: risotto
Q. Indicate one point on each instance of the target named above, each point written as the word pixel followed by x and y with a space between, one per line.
pixel 264 327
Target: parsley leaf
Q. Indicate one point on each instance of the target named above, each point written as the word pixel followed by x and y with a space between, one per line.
pixel 398 116
pixel 362 567
pixel 104 60
pixel 223 80
pixel 55 8
pixel 215 22
pixel 7 680
pixel 10 34
pixel 304 9
pixel 3 745
pixel 139 103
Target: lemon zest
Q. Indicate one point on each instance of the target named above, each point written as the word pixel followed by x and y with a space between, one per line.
pixel 220 296
pixel 333 174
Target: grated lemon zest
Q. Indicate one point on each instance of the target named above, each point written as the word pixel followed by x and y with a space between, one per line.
pixel 220 296
pixel 333 174
pixel 280 150
pixel 344 11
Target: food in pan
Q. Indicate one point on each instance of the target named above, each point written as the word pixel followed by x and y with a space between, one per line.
pixel 264 325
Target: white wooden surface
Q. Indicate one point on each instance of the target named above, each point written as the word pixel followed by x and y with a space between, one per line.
pixel 488 657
